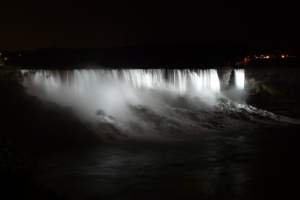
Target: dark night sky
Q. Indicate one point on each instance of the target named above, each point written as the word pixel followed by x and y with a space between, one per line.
pixel 34 24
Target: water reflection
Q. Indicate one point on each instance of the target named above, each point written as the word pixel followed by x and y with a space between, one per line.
pixel 212 165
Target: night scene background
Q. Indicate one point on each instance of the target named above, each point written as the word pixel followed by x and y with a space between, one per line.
pixel 149 99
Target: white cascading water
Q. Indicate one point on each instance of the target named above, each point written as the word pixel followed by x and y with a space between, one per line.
pixel 164 92
pixel 154 101
pixel 239 78
pixel 113 89
pixel 180 81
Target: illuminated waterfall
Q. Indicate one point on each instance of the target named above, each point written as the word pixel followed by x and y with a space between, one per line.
pixel 239 78
pixel 181 81
pixel 112 90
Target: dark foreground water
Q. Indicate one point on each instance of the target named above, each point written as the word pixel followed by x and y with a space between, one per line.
pixel 261 164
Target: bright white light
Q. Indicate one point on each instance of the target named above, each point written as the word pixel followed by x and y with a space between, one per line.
pixel 181 81
pixel 113 90
pixel 239 78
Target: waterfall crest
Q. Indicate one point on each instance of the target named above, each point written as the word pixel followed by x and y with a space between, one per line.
pixel 176 80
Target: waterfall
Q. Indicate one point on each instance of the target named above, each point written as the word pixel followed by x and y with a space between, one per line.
pixel 239 78
pixel 112 90
pixel 185 96
pixel 180 81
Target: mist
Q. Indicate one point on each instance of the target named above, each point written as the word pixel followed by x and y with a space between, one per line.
pixel 119 95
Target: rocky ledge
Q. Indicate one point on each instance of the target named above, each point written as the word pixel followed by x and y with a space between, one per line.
pixel 274 89
pixel 9 74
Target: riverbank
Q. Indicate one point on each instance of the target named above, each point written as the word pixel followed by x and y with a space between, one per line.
pixel 274 89
pixel 30 127
pixel 41 127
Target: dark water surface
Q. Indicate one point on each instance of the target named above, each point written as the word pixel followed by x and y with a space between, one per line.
pixel 262 164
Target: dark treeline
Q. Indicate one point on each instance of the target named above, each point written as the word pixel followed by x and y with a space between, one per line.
pixel 150 56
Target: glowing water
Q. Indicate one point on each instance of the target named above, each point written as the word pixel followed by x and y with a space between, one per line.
pixel 239 76
pixel 144 103
pixel 113 90
pixel 180 81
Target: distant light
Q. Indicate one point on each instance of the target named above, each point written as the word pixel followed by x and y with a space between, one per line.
pixel 20 55
pixel 5 58
pixel 282 56
pixel 267 57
